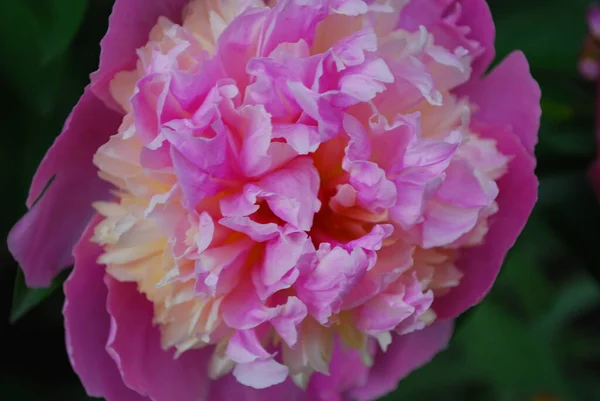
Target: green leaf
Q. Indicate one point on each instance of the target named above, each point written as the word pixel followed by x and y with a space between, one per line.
pixel 22 43
pixel 573 211
pixel 508 355
pixel 25 299
pixel 574 299
pixel 449 371
pixel 572 139
pixel 567 127
pixel 522 281
pixel 62 22
pixel 35 59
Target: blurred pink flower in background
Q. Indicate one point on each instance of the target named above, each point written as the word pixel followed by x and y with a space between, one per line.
pixel 288 200
pixel 589 67
pixel 589 63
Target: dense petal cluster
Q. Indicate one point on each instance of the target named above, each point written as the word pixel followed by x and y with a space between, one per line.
pixel 297 195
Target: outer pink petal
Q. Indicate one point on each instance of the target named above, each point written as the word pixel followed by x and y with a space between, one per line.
pixel 405 354
pixel 87 325
pixel 508 95
pixel 134 344
pixel 43 239
pixel 128 29
pixel 518 194
pixel 508 98
pixel 228 389
pixel 476 15
pixel 346 373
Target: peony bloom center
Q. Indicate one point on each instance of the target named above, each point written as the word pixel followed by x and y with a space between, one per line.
pixel 294 175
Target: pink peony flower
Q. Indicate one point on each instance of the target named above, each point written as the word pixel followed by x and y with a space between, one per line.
pixel 282 200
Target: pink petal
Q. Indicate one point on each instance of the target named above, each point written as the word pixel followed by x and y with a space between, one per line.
pixel 346 372
pixel 517 196
pixel 427 13
pixel 405 354
pixel 147 105
pixel 218 267
pixel 292 193
pixel 351 50
pixel 329 118
pixel 392 261
pixel 288 318
pixel 363 82
pixel 237 44
pixel 402 304
pixel 242 310
pixel 245 347
pixel 43 239
pixel 323 284
pixel 256 125
pixel 281 255
pixel 128 29
pixel 375 191
pixel 257 231
pixel 457 205
pixel 508 95
pixel 349 7
pixel 261 374
pixel 445 223
pixel 87 325
pixel 228 388
pixel 284 26
pixel 134 344
pixel 466 23
pixel 477 16
pixel 255 366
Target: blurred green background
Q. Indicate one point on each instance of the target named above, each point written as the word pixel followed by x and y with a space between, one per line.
pixel 535 338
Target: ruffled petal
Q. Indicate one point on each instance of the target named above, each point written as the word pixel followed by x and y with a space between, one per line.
pixel 508 95
pixel 405 354
pixel 517 196
pixel 466 23
pixel 128 29
pixel 134 344
pixel 87 325
pixel 43 239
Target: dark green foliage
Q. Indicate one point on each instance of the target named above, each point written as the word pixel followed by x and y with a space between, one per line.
pixel 536 333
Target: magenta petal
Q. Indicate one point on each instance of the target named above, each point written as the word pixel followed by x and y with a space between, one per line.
pixel 346 372
pixel 43 239
pixel 128 29
pixel 134 343
pixel 518 193
pixel 508 95
pixel 465 23
pixel 87 325
pixel 477 16
pixel 405 353
pixel 228 389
